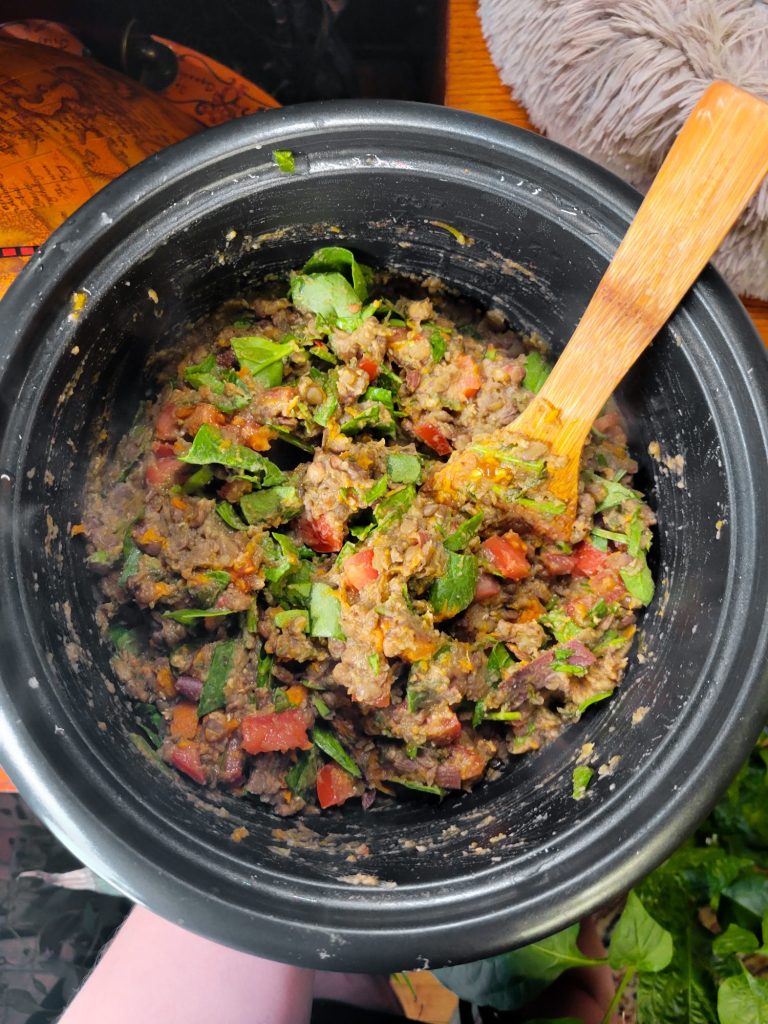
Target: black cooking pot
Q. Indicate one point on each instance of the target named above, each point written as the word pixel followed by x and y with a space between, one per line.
pixel 518 857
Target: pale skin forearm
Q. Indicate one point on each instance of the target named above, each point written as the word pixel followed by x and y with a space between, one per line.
pixel 157 973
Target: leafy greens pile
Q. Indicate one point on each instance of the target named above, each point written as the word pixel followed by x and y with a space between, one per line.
pixel 693 935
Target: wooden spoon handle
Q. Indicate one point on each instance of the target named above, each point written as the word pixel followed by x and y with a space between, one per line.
pixel 716 163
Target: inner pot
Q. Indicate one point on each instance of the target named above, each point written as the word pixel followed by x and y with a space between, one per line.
pixel 442 882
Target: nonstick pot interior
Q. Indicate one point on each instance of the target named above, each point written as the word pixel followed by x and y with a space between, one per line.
pixel 421 883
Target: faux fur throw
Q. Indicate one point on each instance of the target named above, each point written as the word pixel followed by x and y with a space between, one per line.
pixel 615 79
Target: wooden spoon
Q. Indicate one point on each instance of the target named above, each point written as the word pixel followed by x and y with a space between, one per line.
pixel 710 173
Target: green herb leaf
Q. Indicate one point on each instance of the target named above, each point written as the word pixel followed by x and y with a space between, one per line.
pixel 264 669
pixel 505 454
pixel 537 369
pixel 331 297
pixel 617 538
pixel 743 999
pixel 210 447
pixel 455 590
pixel 562 662
pixel 262 357
pixel 125 640
pixel 188 616
pixel 582 776
pixel 330 745
pixel 374 663
pixel 282 503
pixel 361 530
pixel 438 343
pixel 403 468
pixel 460 537
pixel 378 490
pixel 562 627
pixel 478 714
pixel 144 748
pixel 503 716
pixel 198 480
pixel 324 612
pixel 594 699
pixel 638 941
pixel 370 417
pixel 301 778
pixel 101 558
pixel 639 582
pixel 391 509
pixel 420 787
pixel 616 493
pixel 284 618
pixel 285 160
pixel 544 508
pixel 230 517
pixel 735 939
pixel 212 696
pixel 131 559
pixel 498 661
pixel 336 258
pixel 512 980
pixel 289 438
pixel 321 707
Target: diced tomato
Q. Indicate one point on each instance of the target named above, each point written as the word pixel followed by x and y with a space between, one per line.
pixel 359 570
pixel 507 555
pixel 334 786
pixel 203 413
pixel 469 379
pixel 163 450
pixel 167 428
pixel 469 762
pixel 487 587
pixel 283 731
pixel 321 533
pixel 186 757
pixel 165 472
pixel 370 366
pixel 557 563
pixel 588 560
pixel 434 437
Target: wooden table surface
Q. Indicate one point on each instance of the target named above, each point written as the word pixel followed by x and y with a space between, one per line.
pixel 472 83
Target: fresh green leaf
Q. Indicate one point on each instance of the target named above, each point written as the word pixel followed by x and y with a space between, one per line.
pixel 144 748
pixel 285 618
pixel 378 490
pixel 598 542
pixel 361 530
pixel 219 671
pixel 512 980
pixel 101 558
pixel 537 369
pixel 374 663
pixel 230 517
pixel 369 418
pixel 420 787
pixel 321 707
pixel 638 941
pixel 506 455
pixel 198 374
pixel 544 508
pixel 324 612
pixel 454 591
pixel 616 493
pixel 562 627
pixel 438 343
pixel 743 999
pixel 301 777
pixel 735 939
pixel 750 892
pixel 210 447
pixel 562 662
pixel 503 716
pixel 391 509
pixel 381 395
pixel 594 700
pixel 478 714
pixel 460 537
pixel 289 438
pixel 416 698
pixel 331 297
pixel 617 538
pixel 498 661
pixel 639 582
pixel 404 468
pixel 131 559
pixel 582 776
pixel 262 357
pixel 264 669
pixel 329 743
pixel 336 258
pixel 251 619
pixel 280 701
pixel 198 480
pixel 635 537
pixel 281 502
pixel 218 576
pixel 285 160
pixel 125 640
pixel 188 616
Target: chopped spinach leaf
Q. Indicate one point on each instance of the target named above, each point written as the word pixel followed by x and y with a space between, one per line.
pixel 391 509
pixel 264 669
pixel 544 508
pixel 593 700
pixel 198 480
pixel 639 581
pixel 503 716
pixel 455 590
pixel 131 559
pixel 324 612
pixel 301 778
pixel 210 447
pixel 212 696
pixel 419 787
pixel 378 490
pixel 537 369
pixel 263 358
pixel 560 625
pixel 478 714
pixel 125 640
pixel 230 517
pixel 498 661
pixel 582 776
pixel 188 616
pixel 282 502
pixel 330 745
pixel 321 707
pixel 336 258
pixel 438 343
pixel 285 618
pixel 285 160
pixel 404 468
pixel 289 438
pixel 460 537
pixel 615 492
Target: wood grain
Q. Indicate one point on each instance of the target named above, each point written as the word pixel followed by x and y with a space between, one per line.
pixel 472 83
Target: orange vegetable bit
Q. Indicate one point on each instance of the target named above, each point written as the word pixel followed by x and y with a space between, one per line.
pixel 296 694
pixel 184 722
